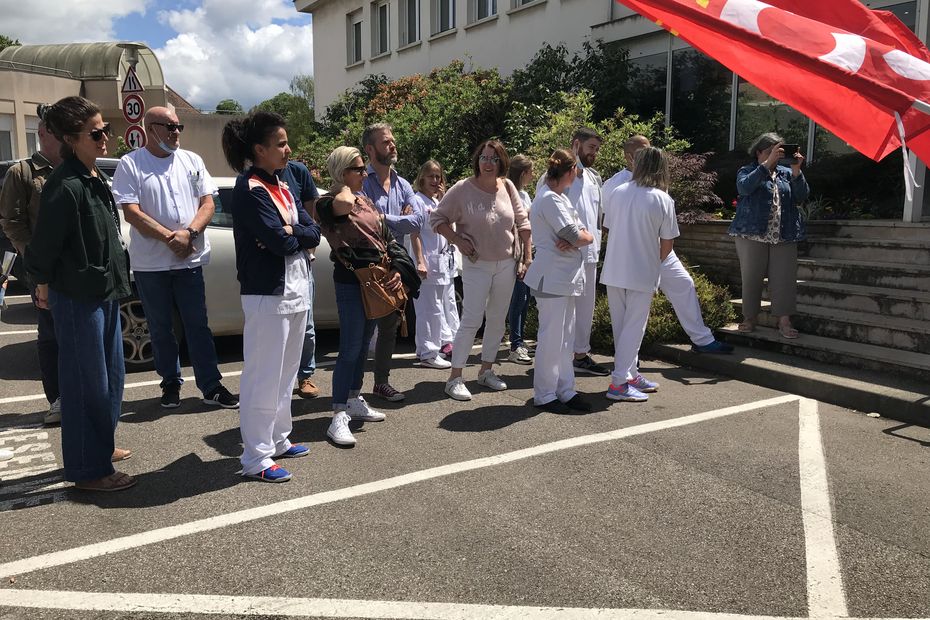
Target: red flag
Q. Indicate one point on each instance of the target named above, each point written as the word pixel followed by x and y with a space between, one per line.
pixel 834 61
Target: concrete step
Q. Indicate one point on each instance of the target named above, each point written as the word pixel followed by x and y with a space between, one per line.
pixel 865 273
pixel 889 302
pixel 761 361
pixel 914 252
pixel 879 229
pixel 898 333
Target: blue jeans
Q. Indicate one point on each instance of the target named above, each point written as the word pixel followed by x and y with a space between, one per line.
pixel 161 292
pixel 516 316
pixel 355 332
pixel 90 359
pixel 308 355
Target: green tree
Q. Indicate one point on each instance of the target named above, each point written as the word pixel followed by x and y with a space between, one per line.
pixel 229 106
pixel 6 42
pixel 298 114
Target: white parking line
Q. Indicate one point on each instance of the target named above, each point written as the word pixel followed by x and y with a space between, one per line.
pixel 825 595
pixel 116 545
pixel 334 608
pixel 32 458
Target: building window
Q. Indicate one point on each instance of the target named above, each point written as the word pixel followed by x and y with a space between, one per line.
pixel 481 9
pixel 380 34
pixel 32 134
pixel 6 136
pixel 647 78
pixel 410 21
pixel 700 108
pixel 443 15
pixel 757 113
pixel 354 37
pixel 518 3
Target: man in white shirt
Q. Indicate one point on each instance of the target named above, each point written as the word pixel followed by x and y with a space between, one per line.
pixel 167 198
pixel 585 195
pixel 675 282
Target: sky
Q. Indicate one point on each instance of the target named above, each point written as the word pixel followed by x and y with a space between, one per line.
pixel 209 50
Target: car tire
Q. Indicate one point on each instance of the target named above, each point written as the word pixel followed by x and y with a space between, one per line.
pixel 137 342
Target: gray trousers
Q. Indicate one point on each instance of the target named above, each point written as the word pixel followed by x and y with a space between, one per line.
pixel 384 347
pixel 777 260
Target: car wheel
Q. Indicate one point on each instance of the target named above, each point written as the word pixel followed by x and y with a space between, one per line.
pixel 137 343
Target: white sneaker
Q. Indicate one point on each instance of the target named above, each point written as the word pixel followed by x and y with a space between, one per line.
pixel 436 362
pixel 490 380
pixel 5 455
pixel 456 389
pixel 359 410
pixel 53 416
pixel 339 431
pixel 520 355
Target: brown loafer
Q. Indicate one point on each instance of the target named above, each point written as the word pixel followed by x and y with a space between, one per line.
pixel 306 389
pixel 120 454
pixel 117 481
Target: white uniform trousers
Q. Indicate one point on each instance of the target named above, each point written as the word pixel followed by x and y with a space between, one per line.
pixel 272 344
pixel 486 290
pixel 584 311
pixel 629 312
pixel 678 286
pixel 553 371
pixel 437 318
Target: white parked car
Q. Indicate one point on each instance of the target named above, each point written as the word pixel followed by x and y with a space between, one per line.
pixel 224 308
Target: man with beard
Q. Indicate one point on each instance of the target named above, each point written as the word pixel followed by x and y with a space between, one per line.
pixel 395 198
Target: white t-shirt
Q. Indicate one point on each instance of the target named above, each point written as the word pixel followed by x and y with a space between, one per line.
pixel 637 217
pixel 585 196
pixel 624 176
pixel 553 271
pixel 167 189
pixel 440 261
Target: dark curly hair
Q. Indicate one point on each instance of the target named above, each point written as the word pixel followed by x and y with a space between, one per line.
pixel 240 136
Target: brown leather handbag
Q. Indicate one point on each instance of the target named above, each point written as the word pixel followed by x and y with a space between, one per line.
pixel 377 300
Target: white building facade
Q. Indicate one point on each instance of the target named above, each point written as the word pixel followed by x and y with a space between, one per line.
pixel 706 102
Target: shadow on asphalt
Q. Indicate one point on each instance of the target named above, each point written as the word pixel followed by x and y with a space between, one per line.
pixel 19 361
pixel 492 418
pixel 684 376
pixel 893 432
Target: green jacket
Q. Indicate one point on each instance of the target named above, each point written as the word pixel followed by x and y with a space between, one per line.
pixel 76 246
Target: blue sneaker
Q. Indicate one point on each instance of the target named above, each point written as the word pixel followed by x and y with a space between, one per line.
pixel 626 392
pixel 293 452
pixel 643 384
pixel 275 473
pixel 714 347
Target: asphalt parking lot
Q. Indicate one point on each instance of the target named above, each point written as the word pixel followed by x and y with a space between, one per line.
pixel 716 499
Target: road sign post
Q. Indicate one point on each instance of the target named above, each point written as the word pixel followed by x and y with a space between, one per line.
pixel 133 109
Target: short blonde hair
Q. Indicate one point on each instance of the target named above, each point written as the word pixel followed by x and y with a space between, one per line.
pixel 341 158
pixel 650 168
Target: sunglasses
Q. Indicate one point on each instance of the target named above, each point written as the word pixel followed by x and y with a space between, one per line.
pixel 171 126
pixel 358 169
pixel 484 159
pixel 97 134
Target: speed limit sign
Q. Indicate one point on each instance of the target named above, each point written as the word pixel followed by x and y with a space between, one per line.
pixel 133 109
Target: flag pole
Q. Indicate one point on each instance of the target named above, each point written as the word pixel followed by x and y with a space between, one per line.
pixel 921 106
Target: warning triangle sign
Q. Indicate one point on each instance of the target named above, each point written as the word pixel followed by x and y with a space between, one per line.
pixel 131 84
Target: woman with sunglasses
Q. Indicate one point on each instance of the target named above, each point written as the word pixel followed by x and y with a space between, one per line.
pixel 487 212
pixel 358 236
pixel 271 231
pixel 77 258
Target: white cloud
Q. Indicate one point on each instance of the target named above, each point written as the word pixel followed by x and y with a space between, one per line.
pixel 247 50
pixel 68 21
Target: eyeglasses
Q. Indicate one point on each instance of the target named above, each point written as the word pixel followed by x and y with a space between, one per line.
pixel 178 127
pixel 484 159
pixel 97 134
pixel 359 169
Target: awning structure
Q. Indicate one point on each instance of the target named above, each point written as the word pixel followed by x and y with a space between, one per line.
pixel 84 61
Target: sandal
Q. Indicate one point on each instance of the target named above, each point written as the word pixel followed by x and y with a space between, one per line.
pixel 120 454
pixel 746 327
pixel 788 332
pixel 117 481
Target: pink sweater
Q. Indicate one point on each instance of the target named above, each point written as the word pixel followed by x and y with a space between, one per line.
pixel 485 219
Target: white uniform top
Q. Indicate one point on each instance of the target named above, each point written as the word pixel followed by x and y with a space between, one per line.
pixel 553 271
pixel 168 190
pixel 440 260
pixel 624 176
pixel 296 296
pixel 585 195
pixel 637 217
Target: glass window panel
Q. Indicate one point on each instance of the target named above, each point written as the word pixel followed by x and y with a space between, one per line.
pixel 6 145
pixel 758 113
pixel 701 100
pixel 647 84
pixel 32 142
pixel 382 28
pixel 906 12
pixel 357 29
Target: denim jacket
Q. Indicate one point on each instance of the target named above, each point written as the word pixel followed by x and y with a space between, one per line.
pixel 754 185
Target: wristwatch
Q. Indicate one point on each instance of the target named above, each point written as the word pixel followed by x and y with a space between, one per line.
pixel 194 233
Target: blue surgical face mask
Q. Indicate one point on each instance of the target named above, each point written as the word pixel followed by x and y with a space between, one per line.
pixel 166 147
